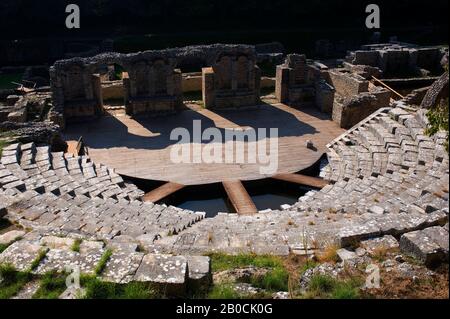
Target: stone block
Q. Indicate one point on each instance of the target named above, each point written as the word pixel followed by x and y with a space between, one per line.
pixel 425 247
pixel 20 255
pixel 11 236
pixel 199 272
pixel 169 273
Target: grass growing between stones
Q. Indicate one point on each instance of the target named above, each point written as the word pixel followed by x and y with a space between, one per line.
pixel 276 279
pixel 326 287
pixel 38 259
pixel 97 289
pixel 224 291
pixel 4 246
pixel 12 281
pixel 328 254
pixel 220 262
pixel 102 263
pixel 76 245
pixel 52 285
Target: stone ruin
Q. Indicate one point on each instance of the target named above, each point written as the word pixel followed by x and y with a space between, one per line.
pixel 346 92
pixel 232 81
pixel 355 98
pixel 151 84
pixel 152 80
pixel 399 59
pixel 300 82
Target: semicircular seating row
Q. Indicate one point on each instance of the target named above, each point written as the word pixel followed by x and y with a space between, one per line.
pixel 62 193
pixel 387 178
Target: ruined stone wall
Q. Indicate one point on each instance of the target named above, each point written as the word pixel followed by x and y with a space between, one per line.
pixel 398 59
pixel 346 83
pixel 153 83
pixel 353 109
pixel 233 80
pixel 324 96
pixel 113 90
pixel 303 83
pixel 365 58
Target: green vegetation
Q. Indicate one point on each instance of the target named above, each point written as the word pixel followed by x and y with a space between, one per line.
pixel 52 285
pixel 323 286
pixel 12 281
pixel 6 79
pixel 309 264
pixel 97 289
pixel 221 262
pixel 76 245
pixel 102 263
pixel 118 72
pixel 38 259
pixel 4 246
pixel 438 119
pixel 223 291
pixel 276 279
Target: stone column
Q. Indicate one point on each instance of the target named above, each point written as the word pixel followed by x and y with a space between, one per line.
pixel 98 94
pixel 282 84
pixel 208 87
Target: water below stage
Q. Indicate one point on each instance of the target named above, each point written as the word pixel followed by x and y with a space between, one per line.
pixel 212 198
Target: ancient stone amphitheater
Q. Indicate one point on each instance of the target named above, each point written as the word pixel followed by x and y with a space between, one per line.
pixel 387 178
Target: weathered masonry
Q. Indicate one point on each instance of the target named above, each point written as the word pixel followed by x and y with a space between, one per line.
pixel 301 83
pixel 152 81
pixel 233 80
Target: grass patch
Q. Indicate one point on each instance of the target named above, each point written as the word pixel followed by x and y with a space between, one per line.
pixel 380 253
pixel 76 245
pixel 326 287
pixel 52 285
pixel 275 280
pixel 97 289
pixel 38 259
pixel 328 254
pixel 6 79
pixel 223 291
pixel 220 262
pixel 438 120
pixel 12 281
pixel 102 263
pixel 3 247
pixel 309 264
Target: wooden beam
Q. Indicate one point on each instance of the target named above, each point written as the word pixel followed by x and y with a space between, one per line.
pixel 239 197
pixel 162 192
pixel 315 182
pixel 388 87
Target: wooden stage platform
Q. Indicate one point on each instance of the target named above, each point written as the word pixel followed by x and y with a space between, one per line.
pixel 141 147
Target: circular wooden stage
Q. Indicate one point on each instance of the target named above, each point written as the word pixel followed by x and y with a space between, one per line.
pixel 141 147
